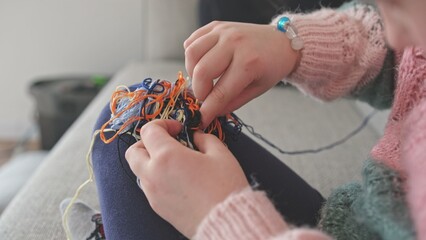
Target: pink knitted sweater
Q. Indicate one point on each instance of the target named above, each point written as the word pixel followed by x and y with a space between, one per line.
pixel 343 52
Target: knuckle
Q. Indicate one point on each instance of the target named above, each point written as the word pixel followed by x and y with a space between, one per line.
pixel 206 138
pixel 162 157
pixel 219 93
pixel 129 153
pixel 252 62
pixel 215 23
pixel 147 131
pixel 212 138
pixel 191 52
pixel 132 151
pixel 236 36
pixel 200 70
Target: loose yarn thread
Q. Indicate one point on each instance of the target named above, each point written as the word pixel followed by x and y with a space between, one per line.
pixel 159 99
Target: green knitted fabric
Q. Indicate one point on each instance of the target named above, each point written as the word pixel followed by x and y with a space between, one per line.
pixel 375 209
pixel 379 92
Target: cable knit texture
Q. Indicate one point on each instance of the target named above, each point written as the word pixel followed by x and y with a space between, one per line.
pixel 345 52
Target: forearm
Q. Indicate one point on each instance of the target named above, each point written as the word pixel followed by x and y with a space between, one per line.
pixel 343 51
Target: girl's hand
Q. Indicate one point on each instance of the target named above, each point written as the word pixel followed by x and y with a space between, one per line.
pixel 248 59
pixel 183 185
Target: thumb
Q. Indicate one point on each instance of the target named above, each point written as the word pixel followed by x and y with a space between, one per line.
pixel 206 117
pixel 172 127
pixel 207 143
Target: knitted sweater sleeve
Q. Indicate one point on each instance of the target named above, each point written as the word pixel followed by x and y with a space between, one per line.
pixel 250 215
pixel 344 53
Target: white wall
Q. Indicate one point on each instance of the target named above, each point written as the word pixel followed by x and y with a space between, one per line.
pixel 48 37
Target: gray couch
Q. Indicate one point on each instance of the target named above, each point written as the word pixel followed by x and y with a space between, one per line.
pixel 282 115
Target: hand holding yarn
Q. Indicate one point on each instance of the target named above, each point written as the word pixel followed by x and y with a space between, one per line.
pixel 181 184
pixel 247 58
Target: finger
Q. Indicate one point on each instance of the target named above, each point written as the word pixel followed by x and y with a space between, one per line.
pixel 208 143
pixel 159 133
pixel 229 86
pixel 137 157
pixel 248 94
pixel 211 66
pixel 199 32
pixel 197 50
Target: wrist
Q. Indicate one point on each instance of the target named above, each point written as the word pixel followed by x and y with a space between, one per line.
pixel 287 57
pixel 285 26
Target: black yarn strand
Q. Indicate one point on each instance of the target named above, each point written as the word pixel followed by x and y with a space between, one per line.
pixel 310 151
